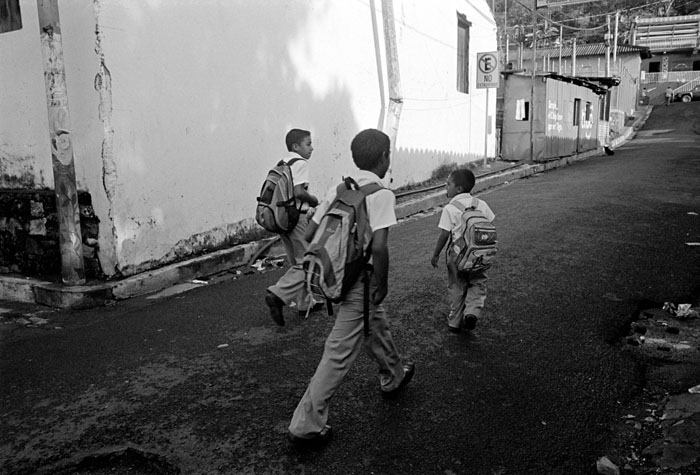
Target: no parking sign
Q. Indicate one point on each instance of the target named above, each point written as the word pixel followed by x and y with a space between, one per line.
pixel 487 70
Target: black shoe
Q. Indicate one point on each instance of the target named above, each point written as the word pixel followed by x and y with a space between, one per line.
pixel 314 308
pixel 454 330
pixel 315 442
pixel 409 369
pixel 276 308
pixel 470 322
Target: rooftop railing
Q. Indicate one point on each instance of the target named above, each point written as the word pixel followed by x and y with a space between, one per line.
pixel 679 76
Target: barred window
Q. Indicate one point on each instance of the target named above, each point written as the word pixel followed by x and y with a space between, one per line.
pixel 463 53
pixel 10 18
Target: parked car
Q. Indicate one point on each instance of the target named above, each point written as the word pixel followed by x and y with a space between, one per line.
pixel 692 95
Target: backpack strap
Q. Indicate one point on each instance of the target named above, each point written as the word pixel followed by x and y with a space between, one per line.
pixel 462 207
pixel 367 190
pixel 290 162
pixel 370 188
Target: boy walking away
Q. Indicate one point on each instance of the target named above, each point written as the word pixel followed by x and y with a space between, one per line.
pixel 669 95
pixel 290 287
pixel 466 289
pixel 309 428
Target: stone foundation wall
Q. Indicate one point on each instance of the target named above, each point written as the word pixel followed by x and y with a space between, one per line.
pixel 29 234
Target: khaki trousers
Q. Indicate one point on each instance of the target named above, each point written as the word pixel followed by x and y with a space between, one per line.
pixel 466 291
pixel 290 287
pixel 341 350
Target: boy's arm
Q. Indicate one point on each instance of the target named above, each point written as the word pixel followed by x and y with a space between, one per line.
pixel 442 240
pixel 310 230
pixel 302 194
pixel 380 261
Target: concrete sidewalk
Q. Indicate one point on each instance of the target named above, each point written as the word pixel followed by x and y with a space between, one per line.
pixel 30 290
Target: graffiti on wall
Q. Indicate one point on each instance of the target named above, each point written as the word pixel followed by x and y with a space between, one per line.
pixel 554 117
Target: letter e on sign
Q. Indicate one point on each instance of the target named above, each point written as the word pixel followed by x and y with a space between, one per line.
pixel 487 73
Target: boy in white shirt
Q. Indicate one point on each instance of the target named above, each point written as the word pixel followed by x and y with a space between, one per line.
pixel 466 290
pixel 309 428
pixel 290 287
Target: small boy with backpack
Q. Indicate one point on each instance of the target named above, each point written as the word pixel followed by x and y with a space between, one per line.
pixel 308 427
pixel 289 219
pixel 465 224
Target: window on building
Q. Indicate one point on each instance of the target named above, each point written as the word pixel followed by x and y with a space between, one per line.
pixel 655 67
pixel 10 18
pixel 605 107
pixel 589 112
pixel 462 53
pixel 577 112
pixel 522 110
pixel 696 65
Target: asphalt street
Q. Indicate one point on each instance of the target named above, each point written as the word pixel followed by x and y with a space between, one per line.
pixel 202 382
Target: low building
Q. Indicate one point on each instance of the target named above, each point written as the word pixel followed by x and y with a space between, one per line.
pixel 618 69
pixel 563 122
pixel 674 43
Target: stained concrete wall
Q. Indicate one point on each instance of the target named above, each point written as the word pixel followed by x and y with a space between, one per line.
pixel 179 108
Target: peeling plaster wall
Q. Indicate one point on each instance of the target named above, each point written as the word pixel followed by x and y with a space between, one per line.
pixel 25 155
pixel 180 108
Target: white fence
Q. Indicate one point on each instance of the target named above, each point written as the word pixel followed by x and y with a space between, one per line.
pixel 674 76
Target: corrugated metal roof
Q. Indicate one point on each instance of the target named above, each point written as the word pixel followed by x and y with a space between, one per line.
pixel 594 49
pixel 667 20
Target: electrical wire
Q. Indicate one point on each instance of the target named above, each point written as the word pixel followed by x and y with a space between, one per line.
pixel 661 2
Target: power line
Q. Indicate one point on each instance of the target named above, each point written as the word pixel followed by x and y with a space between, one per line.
pixel 661 2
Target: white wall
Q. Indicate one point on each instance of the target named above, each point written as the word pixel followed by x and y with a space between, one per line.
pixel 180 107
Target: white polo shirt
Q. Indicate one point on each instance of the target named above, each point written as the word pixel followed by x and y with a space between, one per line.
pixel 300 174
pixel 451 217
pixel 380 204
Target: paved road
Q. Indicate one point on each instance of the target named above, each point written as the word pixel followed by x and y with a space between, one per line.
pixel 532 391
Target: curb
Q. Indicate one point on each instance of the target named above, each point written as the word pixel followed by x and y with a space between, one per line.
pixel 29 290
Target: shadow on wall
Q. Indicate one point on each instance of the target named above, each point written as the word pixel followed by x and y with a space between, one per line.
pixel 251 95
pixel 431 162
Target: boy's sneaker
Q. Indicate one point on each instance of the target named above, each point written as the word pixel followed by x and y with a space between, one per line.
pixel 312 443
pixel 470 322
pixel 409 370
pixel 276 308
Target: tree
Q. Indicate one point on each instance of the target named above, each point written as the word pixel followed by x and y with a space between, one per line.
pixel 585 21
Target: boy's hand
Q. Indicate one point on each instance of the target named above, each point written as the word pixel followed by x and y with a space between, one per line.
pixel 310 213
pixel 434 260
pixel 378 295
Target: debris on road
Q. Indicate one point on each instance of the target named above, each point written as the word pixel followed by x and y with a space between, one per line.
pixel 605 467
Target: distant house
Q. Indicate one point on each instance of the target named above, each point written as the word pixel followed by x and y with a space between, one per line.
pixel 675 46
pixel 179 109
pixel 563 122
pixel 618 70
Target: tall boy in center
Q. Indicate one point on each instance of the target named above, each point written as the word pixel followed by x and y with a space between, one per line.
pixel 370 152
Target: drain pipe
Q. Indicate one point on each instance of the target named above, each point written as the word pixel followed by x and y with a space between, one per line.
pixel 391 123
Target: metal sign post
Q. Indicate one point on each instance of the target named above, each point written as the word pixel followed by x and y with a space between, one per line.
pixel 487 76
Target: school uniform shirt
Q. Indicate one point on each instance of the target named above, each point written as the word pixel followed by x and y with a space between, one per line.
pixel 380 204
pixel 300 175
pixel 451 217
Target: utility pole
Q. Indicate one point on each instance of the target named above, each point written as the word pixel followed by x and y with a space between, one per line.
pixel 70 239
pixel 607 47
pixel 617 23
pixel 391 127
pixel 532 81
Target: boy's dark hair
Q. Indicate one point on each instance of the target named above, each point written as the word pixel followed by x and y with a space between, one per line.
pixel 368 146
pixel 295 136
pixel 464 178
